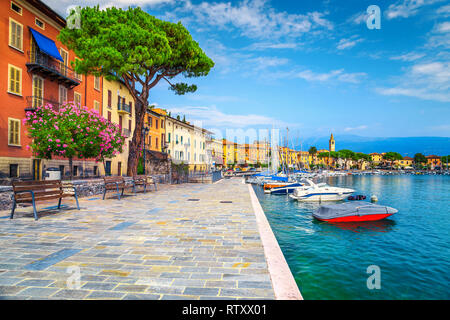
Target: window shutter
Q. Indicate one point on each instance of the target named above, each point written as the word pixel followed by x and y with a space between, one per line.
pixel 109 98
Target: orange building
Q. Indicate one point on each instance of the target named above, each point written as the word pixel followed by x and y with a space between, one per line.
pixel 37 70
pixel 155 138
pixel 433 161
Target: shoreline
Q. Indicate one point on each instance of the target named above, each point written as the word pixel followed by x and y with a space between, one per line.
pixel 281 276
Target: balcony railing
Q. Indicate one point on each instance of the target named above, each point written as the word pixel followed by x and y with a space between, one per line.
pixel 33 102
pixel 123 108
pixel 51 68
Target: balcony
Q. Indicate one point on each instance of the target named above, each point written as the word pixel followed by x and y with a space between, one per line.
pixel 33 102
pixel 50 68
pixel 123 108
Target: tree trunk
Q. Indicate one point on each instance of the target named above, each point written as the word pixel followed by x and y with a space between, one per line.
pixel 71 168
pixel 136 142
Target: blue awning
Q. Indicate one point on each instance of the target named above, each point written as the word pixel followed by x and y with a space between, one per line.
pixel 46 45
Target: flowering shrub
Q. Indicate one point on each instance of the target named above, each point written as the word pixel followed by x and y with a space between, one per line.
pixel 72 131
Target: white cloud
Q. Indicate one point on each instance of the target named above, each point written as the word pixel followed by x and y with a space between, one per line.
pixel 443 27
pixel 412 56
pixel 348 43
pixel 362 127
pixel 358 18
pixel 407 8
pixel 427 81
pixel 61 6
pixel 211 117
pixel 269 45
pixel 255 18
pixel 334 75
pixel 444 11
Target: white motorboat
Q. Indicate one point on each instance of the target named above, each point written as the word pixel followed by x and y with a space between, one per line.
pixel 320 192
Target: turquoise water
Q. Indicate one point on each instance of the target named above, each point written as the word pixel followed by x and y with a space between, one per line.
pixel 411 248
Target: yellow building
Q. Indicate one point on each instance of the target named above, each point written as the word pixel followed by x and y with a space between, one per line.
pixel 118 108
pixel 288 156
pixel 405 162
pixel 376 157
pixel 229 154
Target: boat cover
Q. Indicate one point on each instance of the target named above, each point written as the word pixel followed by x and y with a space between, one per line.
pixel 360 208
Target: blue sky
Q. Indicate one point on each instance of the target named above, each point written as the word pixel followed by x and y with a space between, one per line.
pixel 313 66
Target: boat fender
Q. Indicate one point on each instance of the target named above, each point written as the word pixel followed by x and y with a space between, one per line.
pixel 374 198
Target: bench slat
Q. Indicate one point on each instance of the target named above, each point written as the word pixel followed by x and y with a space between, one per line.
pixel 38 194
pixel 39 199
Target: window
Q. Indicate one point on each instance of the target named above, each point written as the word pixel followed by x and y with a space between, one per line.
pixel 150 121
pixel 162 124
pixel 96 105
pixel 95 170
pixel 156 142
pixel 109 99
pixel 15 34
pixel 168 137
pixel 129 125
pixel 38 91
pixel 77 98
pixel 15 80
pixel 77 75
pixel 75 171
pixel 61 169
pixel 150 141
pixel 13 132
pixel 109 116
pixel 156 123
pixel 39 23
pixel 16 8
pixel 13 170
pixel 97 83
pixel 63 64
pixel 131 109
pixel 62 94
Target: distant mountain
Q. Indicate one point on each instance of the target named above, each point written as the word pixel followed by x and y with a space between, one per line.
pixel 405 146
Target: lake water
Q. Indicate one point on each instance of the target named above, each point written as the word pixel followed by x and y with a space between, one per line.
pixel 411 248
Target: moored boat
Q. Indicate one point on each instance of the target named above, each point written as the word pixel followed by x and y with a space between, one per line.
pixel 353 211
pixel 320 192
pixel 285 189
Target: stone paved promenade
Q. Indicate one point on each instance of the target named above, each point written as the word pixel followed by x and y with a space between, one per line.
pixel 161 245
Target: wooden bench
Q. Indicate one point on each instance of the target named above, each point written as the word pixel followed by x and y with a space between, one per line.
pixel 115 183
pixel 143 180
pixel 32 191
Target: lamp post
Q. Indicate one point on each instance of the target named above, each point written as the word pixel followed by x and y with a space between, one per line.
pixel 145 130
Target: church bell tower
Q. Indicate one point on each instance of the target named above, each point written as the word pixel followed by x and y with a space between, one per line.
pixel 332 144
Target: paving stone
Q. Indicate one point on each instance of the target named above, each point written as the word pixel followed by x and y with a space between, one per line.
pixel 201 291
pixel 70 294
pixel 130 288
pixel 35 283
pixel 141 247
pixel 98 286
pixel 39 292
pixel 103 295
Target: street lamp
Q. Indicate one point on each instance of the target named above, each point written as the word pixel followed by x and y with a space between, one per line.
pixel 145 130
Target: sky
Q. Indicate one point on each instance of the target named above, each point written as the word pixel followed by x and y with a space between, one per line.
pixel 312 66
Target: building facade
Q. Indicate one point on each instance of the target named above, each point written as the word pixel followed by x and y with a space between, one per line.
pixel 37 71
pixel 118 108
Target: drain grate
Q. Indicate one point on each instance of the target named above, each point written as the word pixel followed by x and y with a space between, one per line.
pixel 193 200
pixel 226 201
